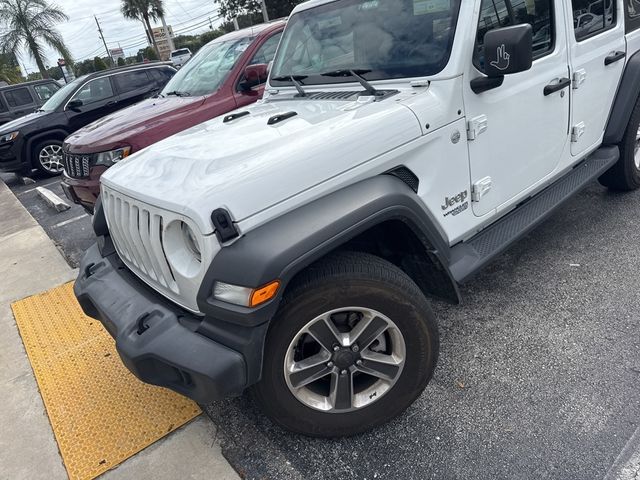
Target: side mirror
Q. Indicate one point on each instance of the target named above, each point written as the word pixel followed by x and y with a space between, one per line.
pixel 254 75
pixel 508 50
pixel 75 105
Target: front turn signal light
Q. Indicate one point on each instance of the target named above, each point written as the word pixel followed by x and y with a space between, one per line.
pixel 264 294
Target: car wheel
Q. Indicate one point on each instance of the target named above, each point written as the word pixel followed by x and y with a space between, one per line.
pixel 48 157
pixel 352 346
pixel 625 174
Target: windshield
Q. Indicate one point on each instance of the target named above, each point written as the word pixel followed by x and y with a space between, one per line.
pixel 208 68
pixel 61 95
pixel 380 38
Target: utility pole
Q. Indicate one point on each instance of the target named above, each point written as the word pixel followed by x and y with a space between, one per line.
pixel 172 47
pixel 103 41
pixel 265 15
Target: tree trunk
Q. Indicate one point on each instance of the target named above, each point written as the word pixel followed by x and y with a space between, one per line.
pixel 34 51
pixel 153 39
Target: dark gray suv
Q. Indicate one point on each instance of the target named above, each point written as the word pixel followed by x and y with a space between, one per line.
pixel 24 98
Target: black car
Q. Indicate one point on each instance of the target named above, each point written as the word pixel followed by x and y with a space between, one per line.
pixel 23 98
pixel 35 140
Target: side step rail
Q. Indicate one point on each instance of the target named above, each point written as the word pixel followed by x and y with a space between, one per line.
pixel 470 256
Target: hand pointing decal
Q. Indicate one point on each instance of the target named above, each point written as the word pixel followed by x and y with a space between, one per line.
pixel 502 62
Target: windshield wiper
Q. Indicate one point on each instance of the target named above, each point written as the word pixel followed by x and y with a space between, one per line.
pixel 357 74
pixel 295 79
pixel 178 93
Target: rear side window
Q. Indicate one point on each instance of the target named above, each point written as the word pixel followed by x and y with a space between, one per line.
pixel 46 90
pixel 18 97
pixel 130 81
pixel 632 8
pixel 504 13
pixel 591 17
pixel 267 50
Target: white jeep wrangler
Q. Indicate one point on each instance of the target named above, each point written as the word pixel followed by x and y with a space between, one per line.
pixel 289 247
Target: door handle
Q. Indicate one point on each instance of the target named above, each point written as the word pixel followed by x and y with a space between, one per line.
pixel 557 86
pixel 614 57
pixel 111 103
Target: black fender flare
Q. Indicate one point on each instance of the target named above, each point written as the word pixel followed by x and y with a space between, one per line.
pixel 626 97
pixel 286 245
pixel 33 139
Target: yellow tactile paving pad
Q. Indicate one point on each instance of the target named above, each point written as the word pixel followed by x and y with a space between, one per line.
pixel 100 413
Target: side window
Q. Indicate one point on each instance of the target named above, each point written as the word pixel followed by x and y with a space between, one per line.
pixel 130 81
pixel 45 91
pixel 95 91
pixel 18 97
pixel 591 17
pixel 161 75
pixel 504 13
pixel 267 51
pixel 633 8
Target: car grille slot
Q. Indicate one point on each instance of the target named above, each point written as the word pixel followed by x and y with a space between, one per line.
pixel 333 96
pixel 76 166
pixel 137 234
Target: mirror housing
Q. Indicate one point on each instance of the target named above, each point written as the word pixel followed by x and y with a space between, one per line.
pixel 74 105
pixel 508 50
pixel 254 75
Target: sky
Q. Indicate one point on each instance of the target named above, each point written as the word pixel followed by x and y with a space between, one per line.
pixel 81 33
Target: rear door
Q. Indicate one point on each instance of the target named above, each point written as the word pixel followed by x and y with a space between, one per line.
pixel 264 54
pixel 134 86
pixel 597 57
pixel 20 101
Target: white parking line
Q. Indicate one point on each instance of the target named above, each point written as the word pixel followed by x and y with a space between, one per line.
pixel 627 465
pixel 71 220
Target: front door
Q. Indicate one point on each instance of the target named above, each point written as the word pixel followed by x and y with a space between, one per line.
pixel 527 127
pixel 98 99
pixel 597 57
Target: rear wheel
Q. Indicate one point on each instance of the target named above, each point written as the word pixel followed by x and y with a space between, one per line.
pixel 48 157
pixel 625 174
pixel 353 345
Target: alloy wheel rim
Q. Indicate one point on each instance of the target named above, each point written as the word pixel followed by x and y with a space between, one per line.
pixel 50 157
pixel 344 360
pixel 636 150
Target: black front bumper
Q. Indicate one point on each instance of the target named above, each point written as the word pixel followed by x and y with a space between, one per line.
pixel 10 158
pixel 158 341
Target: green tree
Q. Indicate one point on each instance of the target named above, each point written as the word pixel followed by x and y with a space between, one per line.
pixel 121 62
pixel 99 64
pixel 144 10
pixel 30 24
pixel 10 74
pixel 252 9
pixel 149 54
pixel 84 67
pixel 54 72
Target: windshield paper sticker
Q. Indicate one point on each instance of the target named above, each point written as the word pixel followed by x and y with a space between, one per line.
pixel 423 7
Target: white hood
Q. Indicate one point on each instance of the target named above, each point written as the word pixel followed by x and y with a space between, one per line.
pixel 247 166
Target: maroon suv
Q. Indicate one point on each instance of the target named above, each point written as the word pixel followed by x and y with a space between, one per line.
pixel 225 74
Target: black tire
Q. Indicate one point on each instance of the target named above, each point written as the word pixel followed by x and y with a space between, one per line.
pixel 625 175
pixel 48 169
pixel 349 279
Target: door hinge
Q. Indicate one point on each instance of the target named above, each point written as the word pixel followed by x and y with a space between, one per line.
pixel 476 126
pixel 579 77
pixel 480 188
pixel 577 131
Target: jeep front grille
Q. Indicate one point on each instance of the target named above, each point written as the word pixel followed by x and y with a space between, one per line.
pixel 76 166
pixel 137 234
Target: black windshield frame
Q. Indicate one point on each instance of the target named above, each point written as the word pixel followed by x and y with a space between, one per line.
pixel 389 72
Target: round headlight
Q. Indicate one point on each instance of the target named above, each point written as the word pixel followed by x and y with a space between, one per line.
pixel 190 241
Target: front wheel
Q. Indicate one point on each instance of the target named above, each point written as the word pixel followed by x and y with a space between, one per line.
pixel 353 345
pixel 48 157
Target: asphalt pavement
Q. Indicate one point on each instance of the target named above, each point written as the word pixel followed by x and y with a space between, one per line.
pixel 539 370
pixel 70 230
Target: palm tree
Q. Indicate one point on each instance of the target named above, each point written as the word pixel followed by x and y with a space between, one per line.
pixel 143 10
pixel 9 74
pixel 29 24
